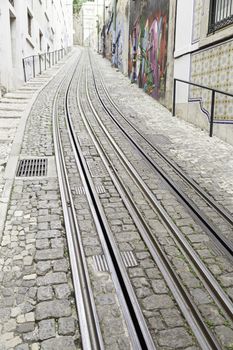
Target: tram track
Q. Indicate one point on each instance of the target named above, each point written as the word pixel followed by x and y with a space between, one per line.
pixel 168 172
pixel 135 319
pixel 89 326
pixel 214 287
pixel 89 323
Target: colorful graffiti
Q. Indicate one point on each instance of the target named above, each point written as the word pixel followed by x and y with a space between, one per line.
pixel 148 52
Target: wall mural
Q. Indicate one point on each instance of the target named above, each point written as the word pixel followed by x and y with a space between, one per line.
pixel 117 58
pixel 148 49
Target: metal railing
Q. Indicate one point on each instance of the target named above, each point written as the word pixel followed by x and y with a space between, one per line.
pixel 36 64
pixel 213 93
pixel 221 14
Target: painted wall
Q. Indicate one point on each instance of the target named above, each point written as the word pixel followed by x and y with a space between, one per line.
pixel 148 46
pixel 120 34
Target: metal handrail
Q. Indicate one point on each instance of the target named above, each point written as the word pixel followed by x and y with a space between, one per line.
pixel 214 91
pixel 51 57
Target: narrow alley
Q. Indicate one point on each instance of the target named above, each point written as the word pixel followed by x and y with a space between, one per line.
pixel 116 213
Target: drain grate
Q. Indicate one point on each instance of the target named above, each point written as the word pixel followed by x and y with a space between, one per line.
pixel 129 259
pixel 100 189
pixel 215 248
pixel 100 263
pixel 79 190
pixel 32 167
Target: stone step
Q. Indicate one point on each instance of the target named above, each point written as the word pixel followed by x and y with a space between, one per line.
pixel 7 134
pixel 19 101
pixel 28 88
pixel 10 114
pixel 18 95
pixel 8 123
pixel 11 107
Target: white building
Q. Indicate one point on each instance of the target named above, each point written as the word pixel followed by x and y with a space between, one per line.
pixel 88 24
pixel 31 27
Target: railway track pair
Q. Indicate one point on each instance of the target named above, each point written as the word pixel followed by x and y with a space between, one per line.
pixel 139 331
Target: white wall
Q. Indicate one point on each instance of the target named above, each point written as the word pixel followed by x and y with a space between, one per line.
pixel 184 25
pixel 183 45
pixel 53 18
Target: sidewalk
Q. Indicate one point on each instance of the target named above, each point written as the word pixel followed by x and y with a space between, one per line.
pixel 14 110
pixel 209 161
pixel 37 307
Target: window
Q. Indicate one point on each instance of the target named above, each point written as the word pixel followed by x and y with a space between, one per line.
pixel 40 39
pixel 221 14
pixel 12 2
pixel 29 23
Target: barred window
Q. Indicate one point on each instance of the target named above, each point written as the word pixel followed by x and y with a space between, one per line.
pixel 221 14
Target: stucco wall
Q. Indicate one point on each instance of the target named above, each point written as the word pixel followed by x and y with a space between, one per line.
pixel 53 19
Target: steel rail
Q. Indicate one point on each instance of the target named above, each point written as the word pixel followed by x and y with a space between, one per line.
pixel 181 295
pixel 224 213
pixel 138 330
pixel 89 326
pixel 207 276
pixel 200 216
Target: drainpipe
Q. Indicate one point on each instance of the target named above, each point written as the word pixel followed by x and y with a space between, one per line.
pixel 114 32
pixel 104 28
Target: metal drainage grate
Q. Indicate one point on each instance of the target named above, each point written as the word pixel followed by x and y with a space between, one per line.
pixel 100 263
pixel 79 190
pixel 32 167
pixel 129 259
pixel 100 189
pixel 215 248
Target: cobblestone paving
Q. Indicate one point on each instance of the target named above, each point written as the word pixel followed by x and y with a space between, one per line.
pixel 219 265
pixel 12 107
pixel 167 325
pixel 207 160
pixel 37 307
pixel 36 303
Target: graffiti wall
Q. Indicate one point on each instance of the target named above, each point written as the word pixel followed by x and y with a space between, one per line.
pixel 148 48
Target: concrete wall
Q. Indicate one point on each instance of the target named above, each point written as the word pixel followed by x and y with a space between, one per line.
pixel 51 28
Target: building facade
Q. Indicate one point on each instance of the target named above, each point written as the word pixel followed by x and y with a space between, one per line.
pixel 155 41
pixel 204 55
pixel 31 27
pixel 140 35
pixel 88 24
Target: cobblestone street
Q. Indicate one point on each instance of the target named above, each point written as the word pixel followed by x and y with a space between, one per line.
pixel 154 285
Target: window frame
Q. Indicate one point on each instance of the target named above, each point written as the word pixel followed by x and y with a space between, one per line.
pixel 215 25
pixel 29 22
